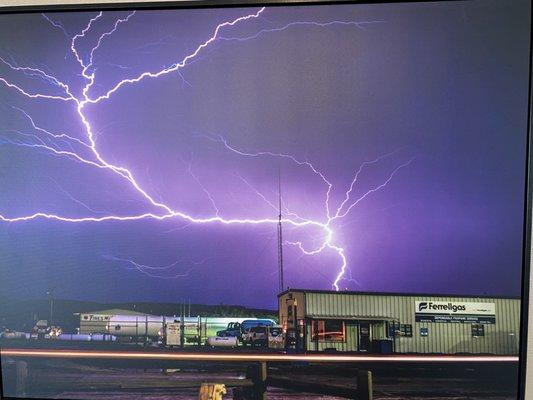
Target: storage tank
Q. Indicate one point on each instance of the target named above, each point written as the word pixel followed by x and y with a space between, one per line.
pixel 147 325
pixel 216 341
pixel 137 325
pixel 153 325
pixel 74 337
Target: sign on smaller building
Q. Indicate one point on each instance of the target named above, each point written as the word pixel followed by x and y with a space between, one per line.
pixel 455 312
pixel 95 317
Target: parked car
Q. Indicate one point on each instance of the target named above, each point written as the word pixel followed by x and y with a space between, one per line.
pixel 40 329
pixel 9 334
pixel 239 329
pixel 275 337
pixel 265 336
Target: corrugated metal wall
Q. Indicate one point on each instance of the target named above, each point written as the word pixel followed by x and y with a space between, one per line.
pixel 447 338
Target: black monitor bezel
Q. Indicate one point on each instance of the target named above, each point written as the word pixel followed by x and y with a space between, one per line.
pixel 197 4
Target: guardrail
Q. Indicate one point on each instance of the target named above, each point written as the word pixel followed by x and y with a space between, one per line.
pixel 258 376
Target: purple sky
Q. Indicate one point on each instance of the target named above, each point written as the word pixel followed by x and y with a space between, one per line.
pixel 423 106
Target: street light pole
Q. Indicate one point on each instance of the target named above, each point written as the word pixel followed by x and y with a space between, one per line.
pixel 50 294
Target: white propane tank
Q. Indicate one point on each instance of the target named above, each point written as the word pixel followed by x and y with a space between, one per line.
pixel 75 337
pixel 144 325
pixel 135 325
pixel 226 341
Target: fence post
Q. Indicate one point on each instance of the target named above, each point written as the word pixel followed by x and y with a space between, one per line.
pixel 199 330
pixel 258 374
pixel 263 372
pixel 182 329
pixel 21 374
pixel 364 385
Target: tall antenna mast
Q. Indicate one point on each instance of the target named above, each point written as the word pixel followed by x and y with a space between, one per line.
pixel 280 237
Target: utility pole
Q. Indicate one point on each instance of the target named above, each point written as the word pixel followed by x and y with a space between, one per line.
pixel 50 294
pixel 280 236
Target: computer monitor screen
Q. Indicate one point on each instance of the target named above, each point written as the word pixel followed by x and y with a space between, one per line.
pixel 251 201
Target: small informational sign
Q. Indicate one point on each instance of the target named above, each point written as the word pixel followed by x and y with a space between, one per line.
pixel 173 334
pixel 95 317
pixel 455 312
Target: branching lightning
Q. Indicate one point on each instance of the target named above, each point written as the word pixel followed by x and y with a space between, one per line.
pixel 90 155
pixel 158 271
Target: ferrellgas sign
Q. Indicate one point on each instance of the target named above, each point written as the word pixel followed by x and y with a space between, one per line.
pixel 455 312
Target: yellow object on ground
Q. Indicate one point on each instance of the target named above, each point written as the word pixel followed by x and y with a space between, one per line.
pixel 212 391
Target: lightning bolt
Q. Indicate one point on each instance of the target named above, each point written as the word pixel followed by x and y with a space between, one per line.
pixel 359 25
pixel 159 210
pixel 55 24
pixel 161 272
pixel 180 64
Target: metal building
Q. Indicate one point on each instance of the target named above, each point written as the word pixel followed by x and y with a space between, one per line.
pixel 387 322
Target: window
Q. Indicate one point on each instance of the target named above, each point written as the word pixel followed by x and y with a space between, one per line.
pixel 397 329
pixel 394 328
pixel 329 330
pixel 478 330
pixel 407 330
pixel 275 332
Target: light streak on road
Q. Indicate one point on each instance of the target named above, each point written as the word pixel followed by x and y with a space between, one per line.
pixel 270 357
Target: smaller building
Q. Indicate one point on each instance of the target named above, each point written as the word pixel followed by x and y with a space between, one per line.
pixel 317 320
pixel 97 321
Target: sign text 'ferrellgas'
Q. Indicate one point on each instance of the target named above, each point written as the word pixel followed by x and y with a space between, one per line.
pixel 455 312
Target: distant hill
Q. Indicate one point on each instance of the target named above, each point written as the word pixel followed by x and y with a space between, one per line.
pixel 22 314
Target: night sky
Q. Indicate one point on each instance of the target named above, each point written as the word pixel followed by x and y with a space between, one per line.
pixel 423 107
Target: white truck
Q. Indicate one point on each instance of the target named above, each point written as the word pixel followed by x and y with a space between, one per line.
pixel 264 336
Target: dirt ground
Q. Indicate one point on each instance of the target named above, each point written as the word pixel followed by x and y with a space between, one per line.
pixel 70 380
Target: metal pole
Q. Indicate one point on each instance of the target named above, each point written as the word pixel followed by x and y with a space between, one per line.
pixel 182 326
pixel 280 236
pixel 50 294
pixel 51 310
pixel 199 331
pixel 364 385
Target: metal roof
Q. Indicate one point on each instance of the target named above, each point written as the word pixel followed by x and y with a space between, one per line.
pixel 353 318
pixel 347 292
pixel 112 311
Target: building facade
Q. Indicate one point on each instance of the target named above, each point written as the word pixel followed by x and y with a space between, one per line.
pixel 384 323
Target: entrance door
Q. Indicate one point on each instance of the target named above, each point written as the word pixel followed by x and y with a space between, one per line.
pixel 364 336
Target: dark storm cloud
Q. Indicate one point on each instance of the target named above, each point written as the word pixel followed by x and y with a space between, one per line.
pixel 439 88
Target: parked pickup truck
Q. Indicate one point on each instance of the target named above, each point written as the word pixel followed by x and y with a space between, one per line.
pixel 264 336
